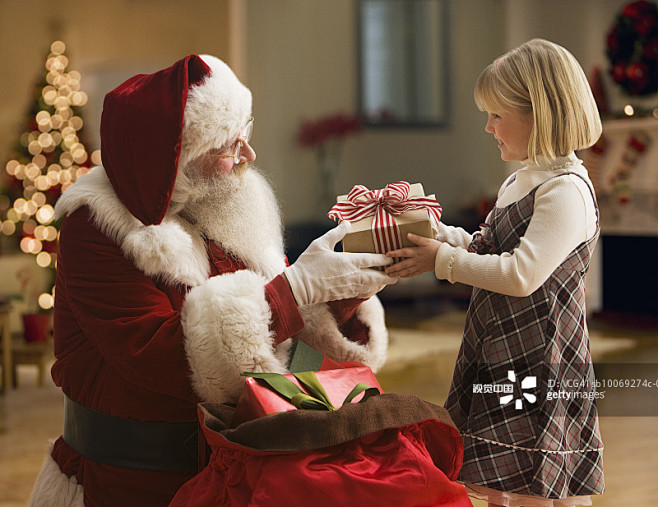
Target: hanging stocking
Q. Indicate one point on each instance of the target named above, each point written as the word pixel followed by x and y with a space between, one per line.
pixel 637 144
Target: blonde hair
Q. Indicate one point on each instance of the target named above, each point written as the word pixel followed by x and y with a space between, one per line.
pixel 543 78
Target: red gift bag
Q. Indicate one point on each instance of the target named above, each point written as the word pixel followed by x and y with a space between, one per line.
pixel 390 450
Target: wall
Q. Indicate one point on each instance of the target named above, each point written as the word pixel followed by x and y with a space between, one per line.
pixel 300 63
pixel 303 65
pixel 107 41
pixel 581 27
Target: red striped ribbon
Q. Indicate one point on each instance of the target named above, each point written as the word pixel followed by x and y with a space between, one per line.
pixel 392 200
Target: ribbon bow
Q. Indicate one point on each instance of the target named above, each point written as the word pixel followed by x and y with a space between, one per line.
pixel 393 199
pixel 316 398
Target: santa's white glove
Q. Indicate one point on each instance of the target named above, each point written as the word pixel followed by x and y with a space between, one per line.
pixel 320 274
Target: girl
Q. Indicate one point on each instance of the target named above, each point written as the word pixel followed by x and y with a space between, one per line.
pixel 526 441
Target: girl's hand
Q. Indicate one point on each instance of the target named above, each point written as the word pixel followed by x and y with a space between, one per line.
pixel 418 259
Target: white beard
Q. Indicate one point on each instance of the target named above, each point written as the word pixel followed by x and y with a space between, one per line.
pixel 239 212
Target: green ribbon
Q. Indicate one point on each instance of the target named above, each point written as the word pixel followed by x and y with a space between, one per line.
pixel 316 398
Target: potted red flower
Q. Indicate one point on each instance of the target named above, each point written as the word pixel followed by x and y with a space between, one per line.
pixel 37 322
pixel 326 136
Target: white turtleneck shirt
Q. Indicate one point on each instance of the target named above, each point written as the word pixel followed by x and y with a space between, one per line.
pixel 564 216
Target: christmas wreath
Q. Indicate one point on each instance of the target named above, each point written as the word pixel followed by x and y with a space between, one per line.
pixel 632 48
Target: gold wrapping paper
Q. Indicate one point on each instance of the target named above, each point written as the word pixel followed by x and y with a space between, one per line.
pixel 360 240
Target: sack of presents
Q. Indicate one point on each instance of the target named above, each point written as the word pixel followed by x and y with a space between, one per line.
pixel 326 435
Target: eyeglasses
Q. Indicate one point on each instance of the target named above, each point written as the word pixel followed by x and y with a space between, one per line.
pixel 244 135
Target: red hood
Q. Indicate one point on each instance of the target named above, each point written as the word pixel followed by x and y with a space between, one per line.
pixel 141 132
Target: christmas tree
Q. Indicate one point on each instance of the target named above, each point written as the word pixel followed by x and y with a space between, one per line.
pixel 47 157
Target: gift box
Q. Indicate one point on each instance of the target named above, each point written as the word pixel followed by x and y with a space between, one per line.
pixel 381 219
pixel 259 396
pixel 305 358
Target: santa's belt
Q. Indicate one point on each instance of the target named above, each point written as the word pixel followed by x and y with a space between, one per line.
pixel 129 443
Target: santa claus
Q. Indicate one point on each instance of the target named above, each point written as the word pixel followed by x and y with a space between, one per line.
pixel 172 280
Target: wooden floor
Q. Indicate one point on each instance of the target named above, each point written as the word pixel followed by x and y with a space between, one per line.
pixel 631 442
pixel 421 358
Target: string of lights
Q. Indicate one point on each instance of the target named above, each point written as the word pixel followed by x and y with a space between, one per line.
pixel 48 158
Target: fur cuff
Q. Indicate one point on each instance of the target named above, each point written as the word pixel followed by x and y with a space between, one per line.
pixel 54 489
pixel 226 325
pixel 322 333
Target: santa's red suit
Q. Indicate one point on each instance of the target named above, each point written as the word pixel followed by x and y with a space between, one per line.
pixel 152 316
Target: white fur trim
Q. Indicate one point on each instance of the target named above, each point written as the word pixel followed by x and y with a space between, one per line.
pixel 226 318
pixel 322 333
pixel 226 325
pixel 54 489
pixel 168 251
pixel 216 111
pixel 95 190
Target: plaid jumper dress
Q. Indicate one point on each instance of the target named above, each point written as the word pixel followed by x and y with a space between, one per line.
pixel 518 438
